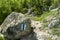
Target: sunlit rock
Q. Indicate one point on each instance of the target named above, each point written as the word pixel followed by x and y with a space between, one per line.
pixel 54 22
pixel 15 26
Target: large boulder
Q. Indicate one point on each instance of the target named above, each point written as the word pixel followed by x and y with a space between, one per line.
pixel 15 26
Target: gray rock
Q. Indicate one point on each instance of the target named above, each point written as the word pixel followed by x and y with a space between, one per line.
pixel 15 26
pixel 32 36
pixel 51 7
pixel 29 11
pixel 54 22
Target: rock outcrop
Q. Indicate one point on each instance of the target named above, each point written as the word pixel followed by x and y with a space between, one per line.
pixel 15 26
pixel 18 27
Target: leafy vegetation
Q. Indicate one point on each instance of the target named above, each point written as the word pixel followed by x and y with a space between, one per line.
pixel 43 16
pixel 1 37
pixel 7 6
pixel 38 6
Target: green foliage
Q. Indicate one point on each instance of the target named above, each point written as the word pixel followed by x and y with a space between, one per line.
pixel 38 6
pixel 24 10
pixel 1 37
pixel 5 9
pixel 56 3
pixel 43 16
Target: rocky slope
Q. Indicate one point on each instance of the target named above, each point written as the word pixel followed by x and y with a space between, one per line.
pixel 45 32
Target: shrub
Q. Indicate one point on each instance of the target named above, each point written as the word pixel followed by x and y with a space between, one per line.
pixel 38 6
pixel 24 10
pixel 5 9
pixel 56 3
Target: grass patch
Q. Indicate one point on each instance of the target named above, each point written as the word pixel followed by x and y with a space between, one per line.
pixel 44 15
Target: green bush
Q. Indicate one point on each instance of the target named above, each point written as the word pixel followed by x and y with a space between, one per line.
pixel 1 37
pixel 56 3
pixel 24 10
pixel 5 9
pixel 38 6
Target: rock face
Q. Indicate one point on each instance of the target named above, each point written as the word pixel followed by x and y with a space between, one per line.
pixel 18 27
pixel 15 26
